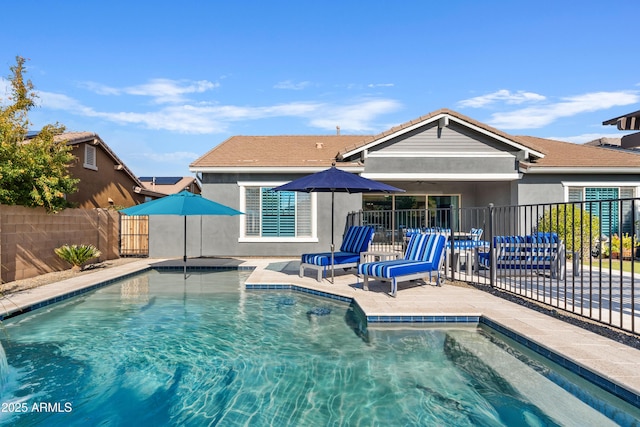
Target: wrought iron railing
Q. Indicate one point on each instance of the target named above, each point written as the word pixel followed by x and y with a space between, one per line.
pixel 601 241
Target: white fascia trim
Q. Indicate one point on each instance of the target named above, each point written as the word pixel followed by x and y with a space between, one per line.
pixel 527 150
pixel 600 184
pixel 271 169
pixel 439 154
pixel 597 170
pixel 260 183
pixel 443 176
pixel 278 240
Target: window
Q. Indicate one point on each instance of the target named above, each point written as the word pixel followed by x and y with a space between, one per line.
pixel 276 215
pixel 615 217
pixel 90 157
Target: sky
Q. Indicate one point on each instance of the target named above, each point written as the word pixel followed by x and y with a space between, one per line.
pixel 164 82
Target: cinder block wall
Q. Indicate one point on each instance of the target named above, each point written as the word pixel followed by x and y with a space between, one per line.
pixel 29 235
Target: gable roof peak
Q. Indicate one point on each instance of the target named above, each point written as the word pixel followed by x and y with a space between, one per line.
pixel 430 118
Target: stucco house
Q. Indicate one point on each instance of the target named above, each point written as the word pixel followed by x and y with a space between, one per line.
pixel 167 185
pixel 627 122
pixel 105 180
pixel 443 158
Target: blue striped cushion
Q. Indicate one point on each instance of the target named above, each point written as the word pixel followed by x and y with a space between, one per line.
pixel 467 244
pixel 424 253
pixel 324 258
pixel 425 247
pixel 357 239
pixel 394 268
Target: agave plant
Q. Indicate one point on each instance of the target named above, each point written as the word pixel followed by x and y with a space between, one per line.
pixel 76 255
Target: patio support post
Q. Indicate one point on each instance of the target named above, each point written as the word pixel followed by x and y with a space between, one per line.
pixel 452 238
pixel 332 245
pixel 492 249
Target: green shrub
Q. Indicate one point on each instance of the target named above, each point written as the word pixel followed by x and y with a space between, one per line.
pixel 76 255
pixel 573 225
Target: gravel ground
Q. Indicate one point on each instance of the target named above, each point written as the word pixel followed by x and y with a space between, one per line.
pixel 632 340
pixel 617 335
pixel 57 276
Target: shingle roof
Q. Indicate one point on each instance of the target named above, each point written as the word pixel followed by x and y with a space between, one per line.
pixel 322 150
pixel 567 154
pixel 278 151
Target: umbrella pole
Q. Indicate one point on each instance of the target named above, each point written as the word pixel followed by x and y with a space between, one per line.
pixel 184 258
pixel 332 246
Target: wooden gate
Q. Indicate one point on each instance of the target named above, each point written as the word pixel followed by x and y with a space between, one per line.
pixel 134 235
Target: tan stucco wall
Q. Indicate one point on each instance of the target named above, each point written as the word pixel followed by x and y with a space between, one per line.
pixel 97 186
pixel 29 235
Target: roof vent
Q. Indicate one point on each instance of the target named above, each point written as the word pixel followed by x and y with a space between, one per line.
pixel 319 145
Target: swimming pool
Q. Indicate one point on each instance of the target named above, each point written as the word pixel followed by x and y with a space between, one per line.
pixel 156 350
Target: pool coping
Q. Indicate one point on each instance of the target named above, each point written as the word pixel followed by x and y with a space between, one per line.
pixel 614 386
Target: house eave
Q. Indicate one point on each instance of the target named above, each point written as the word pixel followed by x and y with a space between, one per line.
pixel 440 177
pixel 270 169
pixel 581 170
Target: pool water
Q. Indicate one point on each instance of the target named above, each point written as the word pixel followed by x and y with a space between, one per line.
pixel 158 350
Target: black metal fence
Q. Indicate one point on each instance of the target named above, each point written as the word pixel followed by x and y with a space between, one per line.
pixel 600 239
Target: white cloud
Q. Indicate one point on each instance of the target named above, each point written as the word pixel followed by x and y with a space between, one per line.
pixel 502 95
pixel 539 116
pixel 355 117
pixel 288 84
pixel 381 85
pixel 209 118
pixel 178 156
pixel 163 91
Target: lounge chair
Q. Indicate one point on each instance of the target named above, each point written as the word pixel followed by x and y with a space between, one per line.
pixel 356 240
pixel 423 257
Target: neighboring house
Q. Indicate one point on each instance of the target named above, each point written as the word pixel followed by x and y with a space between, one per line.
pixel 171 184
pixel 105 180
pixel 627 122
pixel 440 159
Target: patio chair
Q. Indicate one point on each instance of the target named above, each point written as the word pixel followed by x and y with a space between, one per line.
pixel 466 249
pixel 423 257
pixel 356 240
pixel 475 234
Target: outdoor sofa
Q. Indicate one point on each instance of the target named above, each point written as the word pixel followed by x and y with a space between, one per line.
pixel 518 255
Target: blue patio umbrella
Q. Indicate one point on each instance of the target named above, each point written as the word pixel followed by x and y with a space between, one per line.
pixel 334 180
pixel 182 204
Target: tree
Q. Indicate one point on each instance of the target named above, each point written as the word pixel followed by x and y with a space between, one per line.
pixel 578 228
pixel 33 172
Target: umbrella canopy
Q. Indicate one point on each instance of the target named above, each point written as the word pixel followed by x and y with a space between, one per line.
pixel 334 180
pixel 183 204
pixel 337 180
